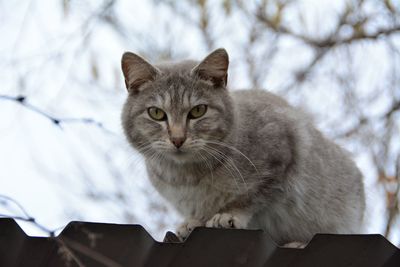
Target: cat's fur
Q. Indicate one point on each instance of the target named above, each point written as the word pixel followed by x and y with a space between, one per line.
pixel 252 161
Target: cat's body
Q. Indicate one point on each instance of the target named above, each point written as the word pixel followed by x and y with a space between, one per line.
pixel 252 161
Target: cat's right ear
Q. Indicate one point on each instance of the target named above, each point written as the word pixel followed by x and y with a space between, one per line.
pixel 137 71
pixel 214 68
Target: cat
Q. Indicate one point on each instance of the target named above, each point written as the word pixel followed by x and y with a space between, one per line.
pixel 241 159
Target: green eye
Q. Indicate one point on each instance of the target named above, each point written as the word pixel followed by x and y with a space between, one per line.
pixel 156 114
pixel 197 111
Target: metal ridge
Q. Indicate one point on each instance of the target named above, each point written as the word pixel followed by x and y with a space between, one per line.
pixel 102 244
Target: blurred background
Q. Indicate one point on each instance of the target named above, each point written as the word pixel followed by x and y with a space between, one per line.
pixel 63 156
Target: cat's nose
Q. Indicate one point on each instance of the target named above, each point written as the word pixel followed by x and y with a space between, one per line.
pixel 178 141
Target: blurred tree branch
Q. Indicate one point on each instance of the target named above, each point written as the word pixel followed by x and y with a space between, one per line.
pixel 6 201
pixel 393 200
pixel 57 121
pixel 321 45
pixel 333 40
pixel 363 121
pixel 274 23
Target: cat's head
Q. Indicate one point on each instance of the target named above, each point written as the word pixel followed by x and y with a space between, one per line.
pixel 175 110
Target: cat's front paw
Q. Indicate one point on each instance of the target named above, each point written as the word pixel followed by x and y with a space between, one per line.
pixel 295 245
pixel 187 227
pixel 228 220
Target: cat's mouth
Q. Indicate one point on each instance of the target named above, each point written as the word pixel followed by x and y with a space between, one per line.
pixel 179 152
pixel 184 153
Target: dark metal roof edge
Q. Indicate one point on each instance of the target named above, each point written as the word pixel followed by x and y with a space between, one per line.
pixel 131 244
pixel 71 225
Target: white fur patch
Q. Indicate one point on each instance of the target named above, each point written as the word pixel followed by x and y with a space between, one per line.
pixel 228 220
pixel 187 227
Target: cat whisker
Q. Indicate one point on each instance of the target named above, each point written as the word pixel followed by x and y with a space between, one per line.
pixel 234 149
pixel 228 161
pixel 161 146
pixel 154 156
pixel 143 149
pixel 231 162
pixel 205 160
pixel 224 165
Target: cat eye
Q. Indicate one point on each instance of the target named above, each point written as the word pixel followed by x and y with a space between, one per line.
pixel 156 114
pixel 197 111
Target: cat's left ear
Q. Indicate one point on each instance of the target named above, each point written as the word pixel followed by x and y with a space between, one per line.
pixel 214 68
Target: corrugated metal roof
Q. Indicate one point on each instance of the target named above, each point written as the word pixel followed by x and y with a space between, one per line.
pixel 100 244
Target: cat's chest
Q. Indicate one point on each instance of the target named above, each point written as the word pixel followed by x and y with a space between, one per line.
pixel 198 199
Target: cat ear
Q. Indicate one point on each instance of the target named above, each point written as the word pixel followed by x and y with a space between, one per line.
pixel 137 71
pixel 214 68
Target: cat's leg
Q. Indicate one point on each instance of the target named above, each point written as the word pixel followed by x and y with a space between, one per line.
pixel 234 219
pixel 187 227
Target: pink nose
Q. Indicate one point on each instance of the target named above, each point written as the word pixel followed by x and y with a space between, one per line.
pixel 178 141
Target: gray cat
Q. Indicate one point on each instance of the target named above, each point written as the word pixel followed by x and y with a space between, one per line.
pixel 242 159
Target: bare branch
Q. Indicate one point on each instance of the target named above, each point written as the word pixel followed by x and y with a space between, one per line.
pixel 332 40
pixel 395 107
pixel 328 43
pixel 5 200
pixel 394 202
pixel 57 121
